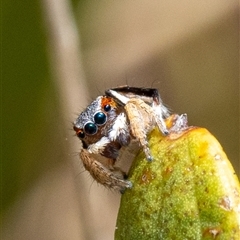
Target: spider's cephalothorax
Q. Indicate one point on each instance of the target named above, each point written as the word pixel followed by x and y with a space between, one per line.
pixel 111 122
pixel 103 127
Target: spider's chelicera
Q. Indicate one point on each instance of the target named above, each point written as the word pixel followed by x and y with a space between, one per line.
pixel 110 122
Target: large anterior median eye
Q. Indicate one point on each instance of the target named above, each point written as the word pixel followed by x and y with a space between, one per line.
pixel 90 128
pixel 100 118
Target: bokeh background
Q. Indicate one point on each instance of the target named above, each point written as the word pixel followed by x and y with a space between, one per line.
pixel 57 55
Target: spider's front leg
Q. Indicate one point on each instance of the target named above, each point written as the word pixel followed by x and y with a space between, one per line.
pixel 144 110
pixel 112 178
pixel 142 118
pixel 108 175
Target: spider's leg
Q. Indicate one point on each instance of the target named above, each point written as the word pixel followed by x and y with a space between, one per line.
pixel 138 124
pixel 102 174
pixel 157 115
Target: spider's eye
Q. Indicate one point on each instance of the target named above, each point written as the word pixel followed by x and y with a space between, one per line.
pixel 90 128
pixel 81 134
pixel 100 118
pixel 107 107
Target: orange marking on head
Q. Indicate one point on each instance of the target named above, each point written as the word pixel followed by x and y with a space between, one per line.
pixel 108 101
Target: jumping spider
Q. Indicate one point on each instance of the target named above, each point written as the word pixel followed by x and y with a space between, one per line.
pixel 110 122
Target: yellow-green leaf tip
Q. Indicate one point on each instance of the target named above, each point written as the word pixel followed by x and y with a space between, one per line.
pixel 189 191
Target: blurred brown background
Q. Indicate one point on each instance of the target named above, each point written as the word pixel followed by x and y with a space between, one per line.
pixel 58 55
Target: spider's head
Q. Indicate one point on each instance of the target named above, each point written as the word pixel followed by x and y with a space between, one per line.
pixel 96 120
